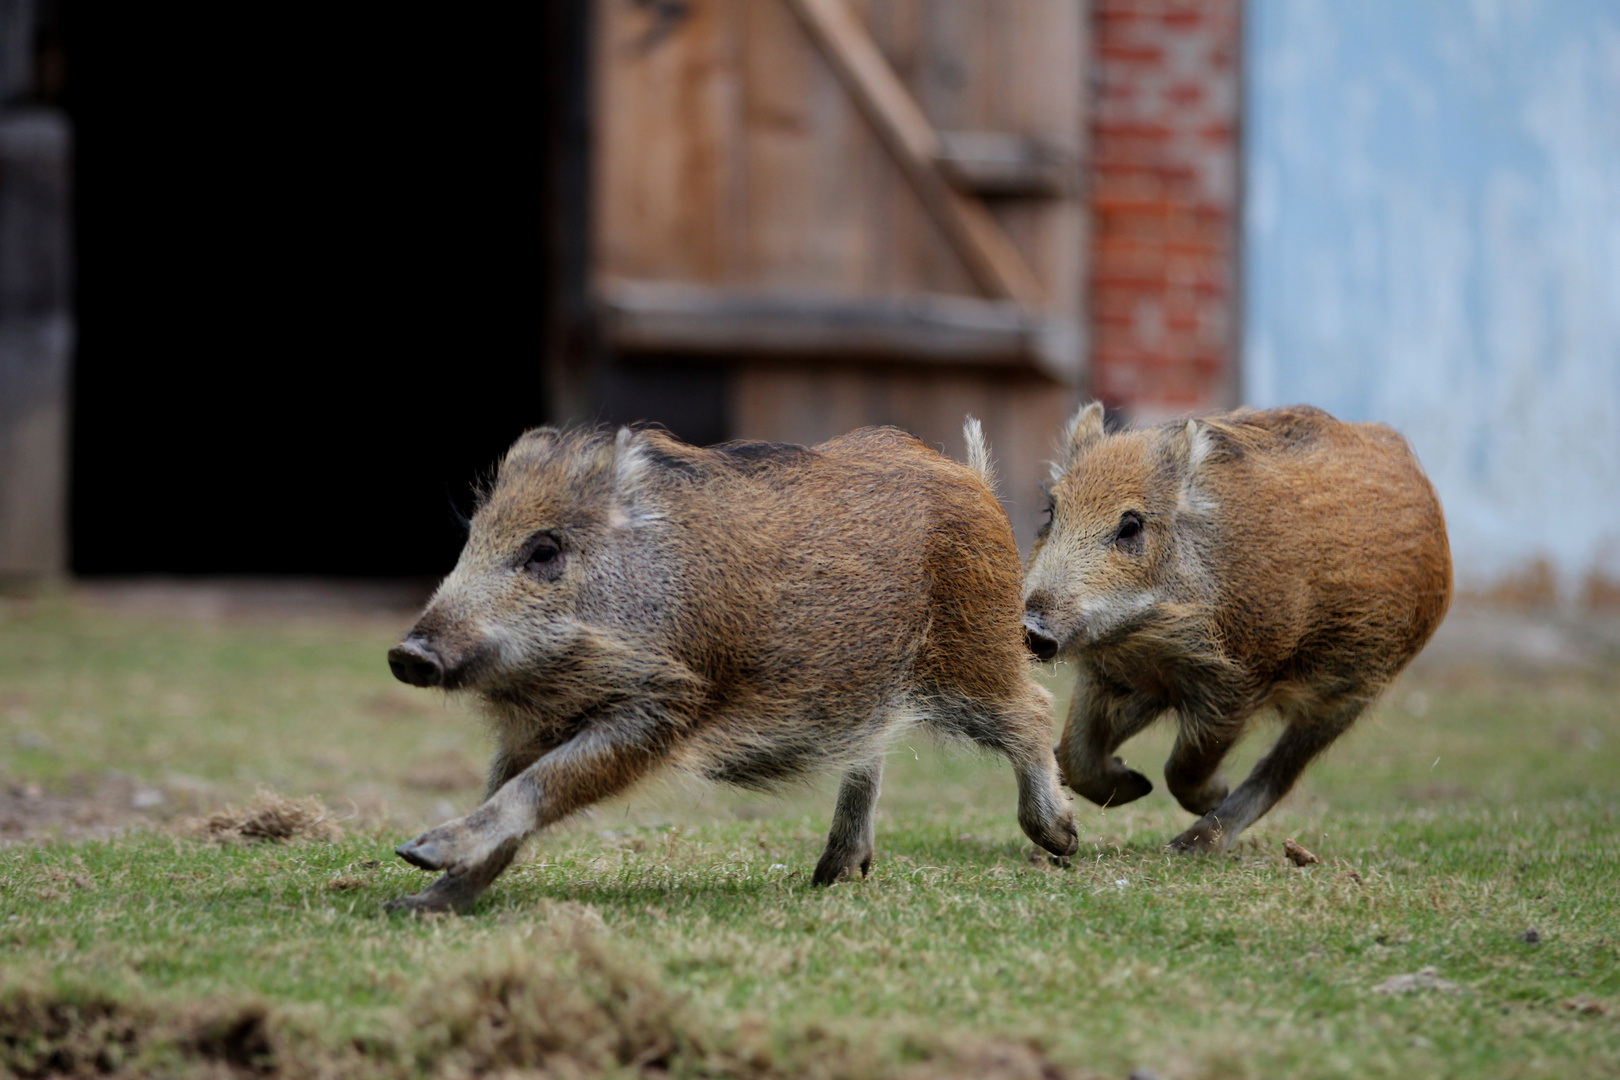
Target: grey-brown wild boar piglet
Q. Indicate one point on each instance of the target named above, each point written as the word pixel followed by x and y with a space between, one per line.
pixel 1217 568
pixel 627 603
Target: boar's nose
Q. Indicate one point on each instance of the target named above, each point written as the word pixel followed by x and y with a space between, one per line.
pixel 413 661
pixel 1036 638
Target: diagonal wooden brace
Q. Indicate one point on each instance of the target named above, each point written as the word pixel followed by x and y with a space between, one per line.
pixel 995 264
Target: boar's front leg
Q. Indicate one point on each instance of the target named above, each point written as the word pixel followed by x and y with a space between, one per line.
pixel 598 763
pixel 850 843
pixel 1098 723
pixel 1191 771
pixel 456 892
pixel 1307 734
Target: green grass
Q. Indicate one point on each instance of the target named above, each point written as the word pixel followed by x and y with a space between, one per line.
pixel 1468 808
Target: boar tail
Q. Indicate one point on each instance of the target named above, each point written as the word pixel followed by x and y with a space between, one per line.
pixel 978 453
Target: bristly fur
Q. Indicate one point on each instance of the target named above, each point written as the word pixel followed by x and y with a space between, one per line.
pixel 978 453
pixel 1276 560
pixel 461 519
pixel 748 613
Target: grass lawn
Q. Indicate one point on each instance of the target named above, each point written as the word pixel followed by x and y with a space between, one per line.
pixel 676 933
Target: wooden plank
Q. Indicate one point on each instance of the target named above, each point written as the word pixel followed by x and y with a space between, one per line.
pixel 914 253
pixel 995 263
pixel 813 167
pixel 667 200
pixel 1007 164
pixel 1027 78
pixel 670 317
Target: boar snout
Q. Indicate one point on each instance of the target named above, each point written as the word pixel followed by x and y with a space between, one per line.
pixel 1044 638
pixel 414 661
pixel 1039 641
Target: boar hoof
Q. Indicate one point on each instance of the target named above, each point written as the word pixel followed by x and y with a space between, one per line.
pixel 451 892
pixel 1205 838
pixel 1060 837
pixel 432 899
pixel 421 853
pixel 414 904
pixel 1203 800
pixel 1115 787
pixel 837 866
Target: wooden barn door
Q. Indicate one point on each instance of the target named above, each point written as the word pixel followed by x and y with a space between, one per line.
pixel 870 208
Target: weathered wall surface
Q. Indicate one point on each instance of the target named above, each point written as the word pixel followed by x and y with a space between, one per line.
pixel 36 319
pixel 1164 174
pixel 1432 239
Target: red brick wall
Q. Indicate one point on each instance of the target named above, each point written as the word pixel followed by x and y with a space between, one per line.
pixel 1164 286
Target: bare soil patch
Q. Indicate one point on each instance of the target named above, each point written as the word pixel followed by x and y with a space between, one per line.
pixel 87 807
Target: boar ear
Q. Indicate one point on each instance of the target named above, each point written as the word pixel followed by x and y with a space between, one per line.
pixel 629 463
pixel 1085 429
pixel 632 471
pixel 1192 446
pixel 534 442
pixel 1197 440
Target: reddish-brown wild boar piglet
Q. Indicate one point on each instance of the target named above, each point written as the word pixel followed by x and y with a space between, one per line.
pixel 1216 568
pixel 627 603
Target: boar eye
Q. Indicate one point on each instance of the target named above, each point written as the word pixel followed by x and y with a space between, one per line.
pixel 544 559
pixel 1128 537
pixel 1046 526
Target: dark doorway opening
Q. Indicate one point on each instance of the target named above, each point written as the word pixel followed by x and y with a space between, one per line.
pixel 312 275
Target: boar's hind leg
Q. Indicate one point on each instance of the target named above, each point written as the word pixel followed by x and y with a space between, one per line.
pixel 1306 735
pixel 1043 810
pixel 1098 723
pixel 1022 730
pixel 850 843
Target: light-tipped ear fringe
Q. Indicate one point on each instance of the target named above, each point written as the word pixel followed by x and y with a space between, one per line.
pixel 1195 496
pixel 633 501
pixel 629 464
pixel 1199 443
pixel 1083 429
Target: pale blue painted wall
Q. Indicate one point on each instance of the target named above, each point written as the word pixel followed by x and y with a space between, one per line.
pixel 1432 239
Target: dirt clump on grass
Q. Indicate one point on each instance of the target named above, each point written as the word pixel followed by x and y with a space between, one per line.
pixel 558 1004
pixel 83 1031
pixel 1297 854
pixel 72 1034
pixel 584 1011
pixel 270 816
pixel 585 1015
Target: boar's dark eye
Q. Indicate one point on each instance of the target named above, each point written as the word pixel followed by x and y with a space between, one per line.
pixel 1046 526
pixel 545 558
pixel 1128 537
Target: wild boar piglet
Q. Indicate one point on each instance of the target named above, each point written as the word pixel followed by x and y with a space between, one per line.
pixel 1213 569
pixel 626 603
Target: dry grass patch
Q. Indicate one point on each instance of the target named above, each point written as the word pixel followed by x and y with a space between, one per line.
pixel 270 816
pixel 87 1031
pixel 554 1003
